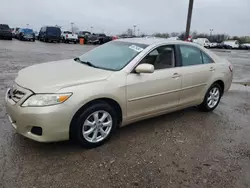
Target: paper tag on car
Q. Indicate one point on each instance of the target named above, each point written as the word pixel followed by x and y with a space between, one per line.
pixel 136 48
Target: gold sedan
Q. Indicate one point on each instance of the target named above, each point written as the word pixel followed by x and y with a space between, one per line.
pixel 115 84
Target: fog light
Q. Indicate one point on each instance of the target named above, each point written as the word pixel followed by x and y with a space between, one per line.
pixel 37 130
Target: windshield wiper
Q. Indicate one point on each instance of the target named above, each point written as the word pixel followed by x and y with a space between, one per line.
pixel 85 62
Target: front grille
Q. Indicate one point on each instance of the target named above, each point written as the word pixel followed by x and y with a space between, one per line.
pixel 16 94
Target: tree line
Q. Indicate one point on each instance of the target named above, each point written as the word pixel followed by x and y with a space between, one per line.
pixel 211 37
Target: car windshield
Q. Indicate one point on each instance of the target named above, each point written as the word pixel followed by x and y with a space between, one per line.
pixel 4 26
pixel 28 31
pixel 113 55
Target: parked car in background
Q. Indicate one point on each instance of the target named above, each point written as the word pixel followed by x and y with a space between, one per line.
pixel 173 38
pixel 14 33
pixel 50 34
pixel 231 44
pixel 26 34
pixel 245 46
pixel 36 35
pixel 103 38
pixel 92 38
pixel 5 32
pixel 84 35
pixel 68 36
pixel 118 83
pixel 124 36
pixel 205 42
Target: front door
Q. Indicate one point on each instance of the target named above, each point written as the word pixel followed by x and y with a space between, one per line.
pixel 149 93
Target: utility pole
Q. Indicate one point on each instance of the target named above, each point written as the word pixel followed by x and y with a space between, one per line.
pixel 189 17
pixel 91 29
pixel 72 27
pixel 211 31
pixel 138 30
pixel 134 29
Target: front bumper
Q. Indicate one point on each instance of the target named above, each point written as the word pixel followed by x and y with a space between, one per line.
pixel 54 120
pixel 5 34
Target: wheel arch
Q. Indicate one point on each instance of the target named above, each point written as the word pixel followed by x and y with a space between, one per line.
pixel 113 103
pixel 221 84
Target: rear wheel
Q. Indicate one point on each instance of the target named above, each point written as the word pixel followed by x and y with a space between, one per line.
pixel 95 125
pixel 212 98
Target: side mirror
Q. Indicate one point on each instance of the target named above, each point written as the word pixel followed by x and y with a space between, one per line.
pixel 145 68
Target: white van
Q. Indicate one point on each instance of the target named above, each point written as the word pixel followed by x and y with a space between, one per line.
pixel 232 43
pixel 204 42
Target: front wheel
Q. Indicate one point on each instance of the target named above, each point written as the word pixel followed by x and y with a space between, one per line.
pixel 212 98
pixel 95 125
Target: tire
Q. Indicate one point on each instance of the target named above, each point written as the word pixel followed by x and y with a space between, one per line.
pixel 46 40
pixel 75 42
pixel 208 106
pixel 10 38
pixel 80 125
pixel 33 40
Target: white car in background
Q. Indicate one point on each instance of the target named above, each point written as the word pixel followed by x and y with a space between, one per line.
pixel 205 42
pixel 68 36
pixel 173 38
pixel 233 44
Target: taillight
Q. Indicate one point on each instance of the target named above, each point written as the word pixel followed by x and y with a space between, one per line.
pixel 231 68
pixel 66 36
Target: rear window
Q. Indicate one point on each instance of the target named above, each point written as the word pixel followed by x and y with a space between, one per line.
pixel 67 32
pixel 4 26
pixel 54 30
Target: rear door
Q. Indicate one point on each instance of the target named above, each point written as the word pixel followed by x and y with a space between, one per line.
pixel 197 71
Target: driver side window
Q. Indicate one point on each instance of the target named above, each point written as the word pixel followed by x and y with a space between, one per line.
pixel 162 57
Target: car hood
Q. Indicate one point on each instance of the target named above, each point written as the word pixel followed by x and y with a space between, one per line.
pixel 53 76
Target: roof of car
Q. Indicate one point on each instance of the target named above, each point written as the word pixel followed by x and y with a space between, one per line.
pixel 150 41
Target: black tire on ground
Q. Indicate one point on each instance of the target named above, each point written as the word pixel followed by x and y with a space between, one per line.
pixel 77 124
pixel 75 42
pixel 33 40
pixel 46 40
pixel 204 105
pixel 10 38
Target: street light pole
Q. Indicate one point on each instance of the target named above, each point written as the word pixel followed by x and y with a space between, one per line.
pixel 72 27
pixel 211 31
pixel 134 29
pixel 189 17
pixel 91 29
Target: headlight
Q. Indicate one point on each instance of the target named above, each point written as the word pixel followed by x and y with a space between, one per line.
pixel 46 99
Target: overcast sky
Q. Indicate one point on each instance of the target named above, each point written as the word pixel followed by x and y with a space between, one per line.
pixel 115 16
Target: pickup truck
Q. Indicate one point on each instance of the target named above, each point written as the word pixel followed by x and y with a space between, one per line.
pixel 103 38
pixel 68 36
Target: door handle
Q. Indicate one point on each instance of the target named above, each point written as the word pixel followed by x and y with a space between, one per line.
pixel 176 75
pixel 212 69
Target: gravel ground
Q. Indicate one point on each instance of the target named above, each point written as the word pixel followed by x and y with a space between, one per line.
pixel 187 148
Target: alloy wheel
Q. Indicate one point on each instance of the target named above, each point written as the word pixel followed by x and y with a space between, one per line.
pixel 97 126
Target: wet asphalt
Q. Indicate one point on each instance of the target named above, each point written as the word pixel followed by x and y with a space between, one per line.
pixel 186 148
